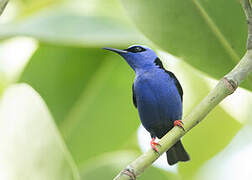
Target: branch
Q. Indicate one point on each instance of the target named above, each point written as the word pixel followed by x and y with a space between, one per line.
pixel 225 87
pixel 3 4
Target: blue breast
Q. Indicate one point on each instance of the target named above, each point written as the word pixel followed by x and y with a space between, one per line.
pixel 158 101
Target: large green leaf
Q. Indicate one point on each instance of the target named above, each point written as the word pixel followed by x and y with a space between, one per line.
pixel 67 27
pixel 60 74
pixel 104 118
pixel 28 7
pixel 3 4
pixel 109 165
pixel 208 139
pixel 210 35
pixel 31 146
pixel 88 93
pixel 227 163
pixel 2 82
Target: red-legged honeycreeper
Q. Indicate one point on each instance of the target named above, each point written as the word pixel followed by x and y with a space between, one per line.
pixel 158 96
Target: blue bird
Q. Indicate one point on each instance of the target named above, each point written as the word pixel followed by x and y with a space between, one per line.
pixel 158 96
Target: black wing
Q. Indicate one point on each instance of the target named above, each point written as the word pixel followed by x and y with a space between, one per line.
pixel 178 85
pixel 134 96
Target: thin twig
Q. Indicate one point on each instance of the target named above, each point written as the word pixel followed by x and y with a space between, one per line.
pixel 248 12
pixel 225 87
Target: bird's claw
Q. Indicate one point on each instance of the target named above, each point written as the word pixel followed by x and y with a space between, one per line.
pixel 154 145
pixel 179 123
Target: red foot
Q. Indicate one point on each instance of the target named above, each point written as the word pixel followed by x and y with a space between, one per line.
pixel 154 145
pixel 179 123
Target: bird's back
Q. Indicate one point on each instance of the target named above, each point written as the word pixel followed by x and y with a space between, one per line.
pixel 158 101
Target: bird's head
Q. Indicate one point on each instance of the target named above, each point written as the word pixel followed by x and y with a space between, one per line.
pixel 138 57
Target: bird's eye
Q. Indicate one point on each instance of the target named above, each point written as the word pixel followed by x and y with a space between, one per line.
pixel 136 49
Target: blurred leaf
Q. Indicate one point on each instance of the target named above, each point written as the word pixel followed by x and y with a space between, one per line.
pixel 227 164
pixel 3 4
pixel 104 118
pixel 88 93
pixel 67 27
pixel 28 7
pixel 106 166
pixel 3 82
pixel 104 8
pixel 31 147
pixel 109 165
pixel 208 139
pixel 210 35
pixel 60 74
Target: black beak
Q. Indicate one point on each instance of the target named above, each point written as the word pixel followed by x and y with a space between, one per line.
pixel 119 51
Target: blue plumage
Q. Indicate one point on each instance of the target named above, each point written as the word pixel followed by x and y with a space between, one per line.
pixel 158 101
pixel 157 94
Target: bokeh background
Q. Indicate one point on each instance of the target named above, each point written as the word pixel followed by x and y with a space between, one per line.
pixel 66 108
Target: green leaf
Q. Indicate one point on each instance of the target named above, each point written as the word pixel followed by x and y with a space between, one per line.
pixel 3 82
pixel 3 4
pixel 104 118
pixel 78 86
pixel 28 7
pixel 210 35
pixel 109 165
pixel 67 27
pixel 227 163
pixel 60 74
pixel 208 139
pixel 31 146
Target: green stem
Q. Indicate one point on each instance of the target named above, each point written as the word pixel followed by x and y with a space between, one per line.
pixel 3 4
pixel 225 87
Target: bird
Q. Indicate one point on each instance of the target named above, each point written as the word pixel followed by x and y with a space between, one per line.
pixel 158 97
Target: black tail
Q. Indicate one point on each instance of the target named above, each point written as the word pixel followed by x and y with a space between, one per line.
pixel 177 153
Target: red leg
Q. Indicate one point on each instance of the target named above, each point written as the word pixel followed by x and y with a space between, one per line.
pixel 154 145
pixel 179 123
